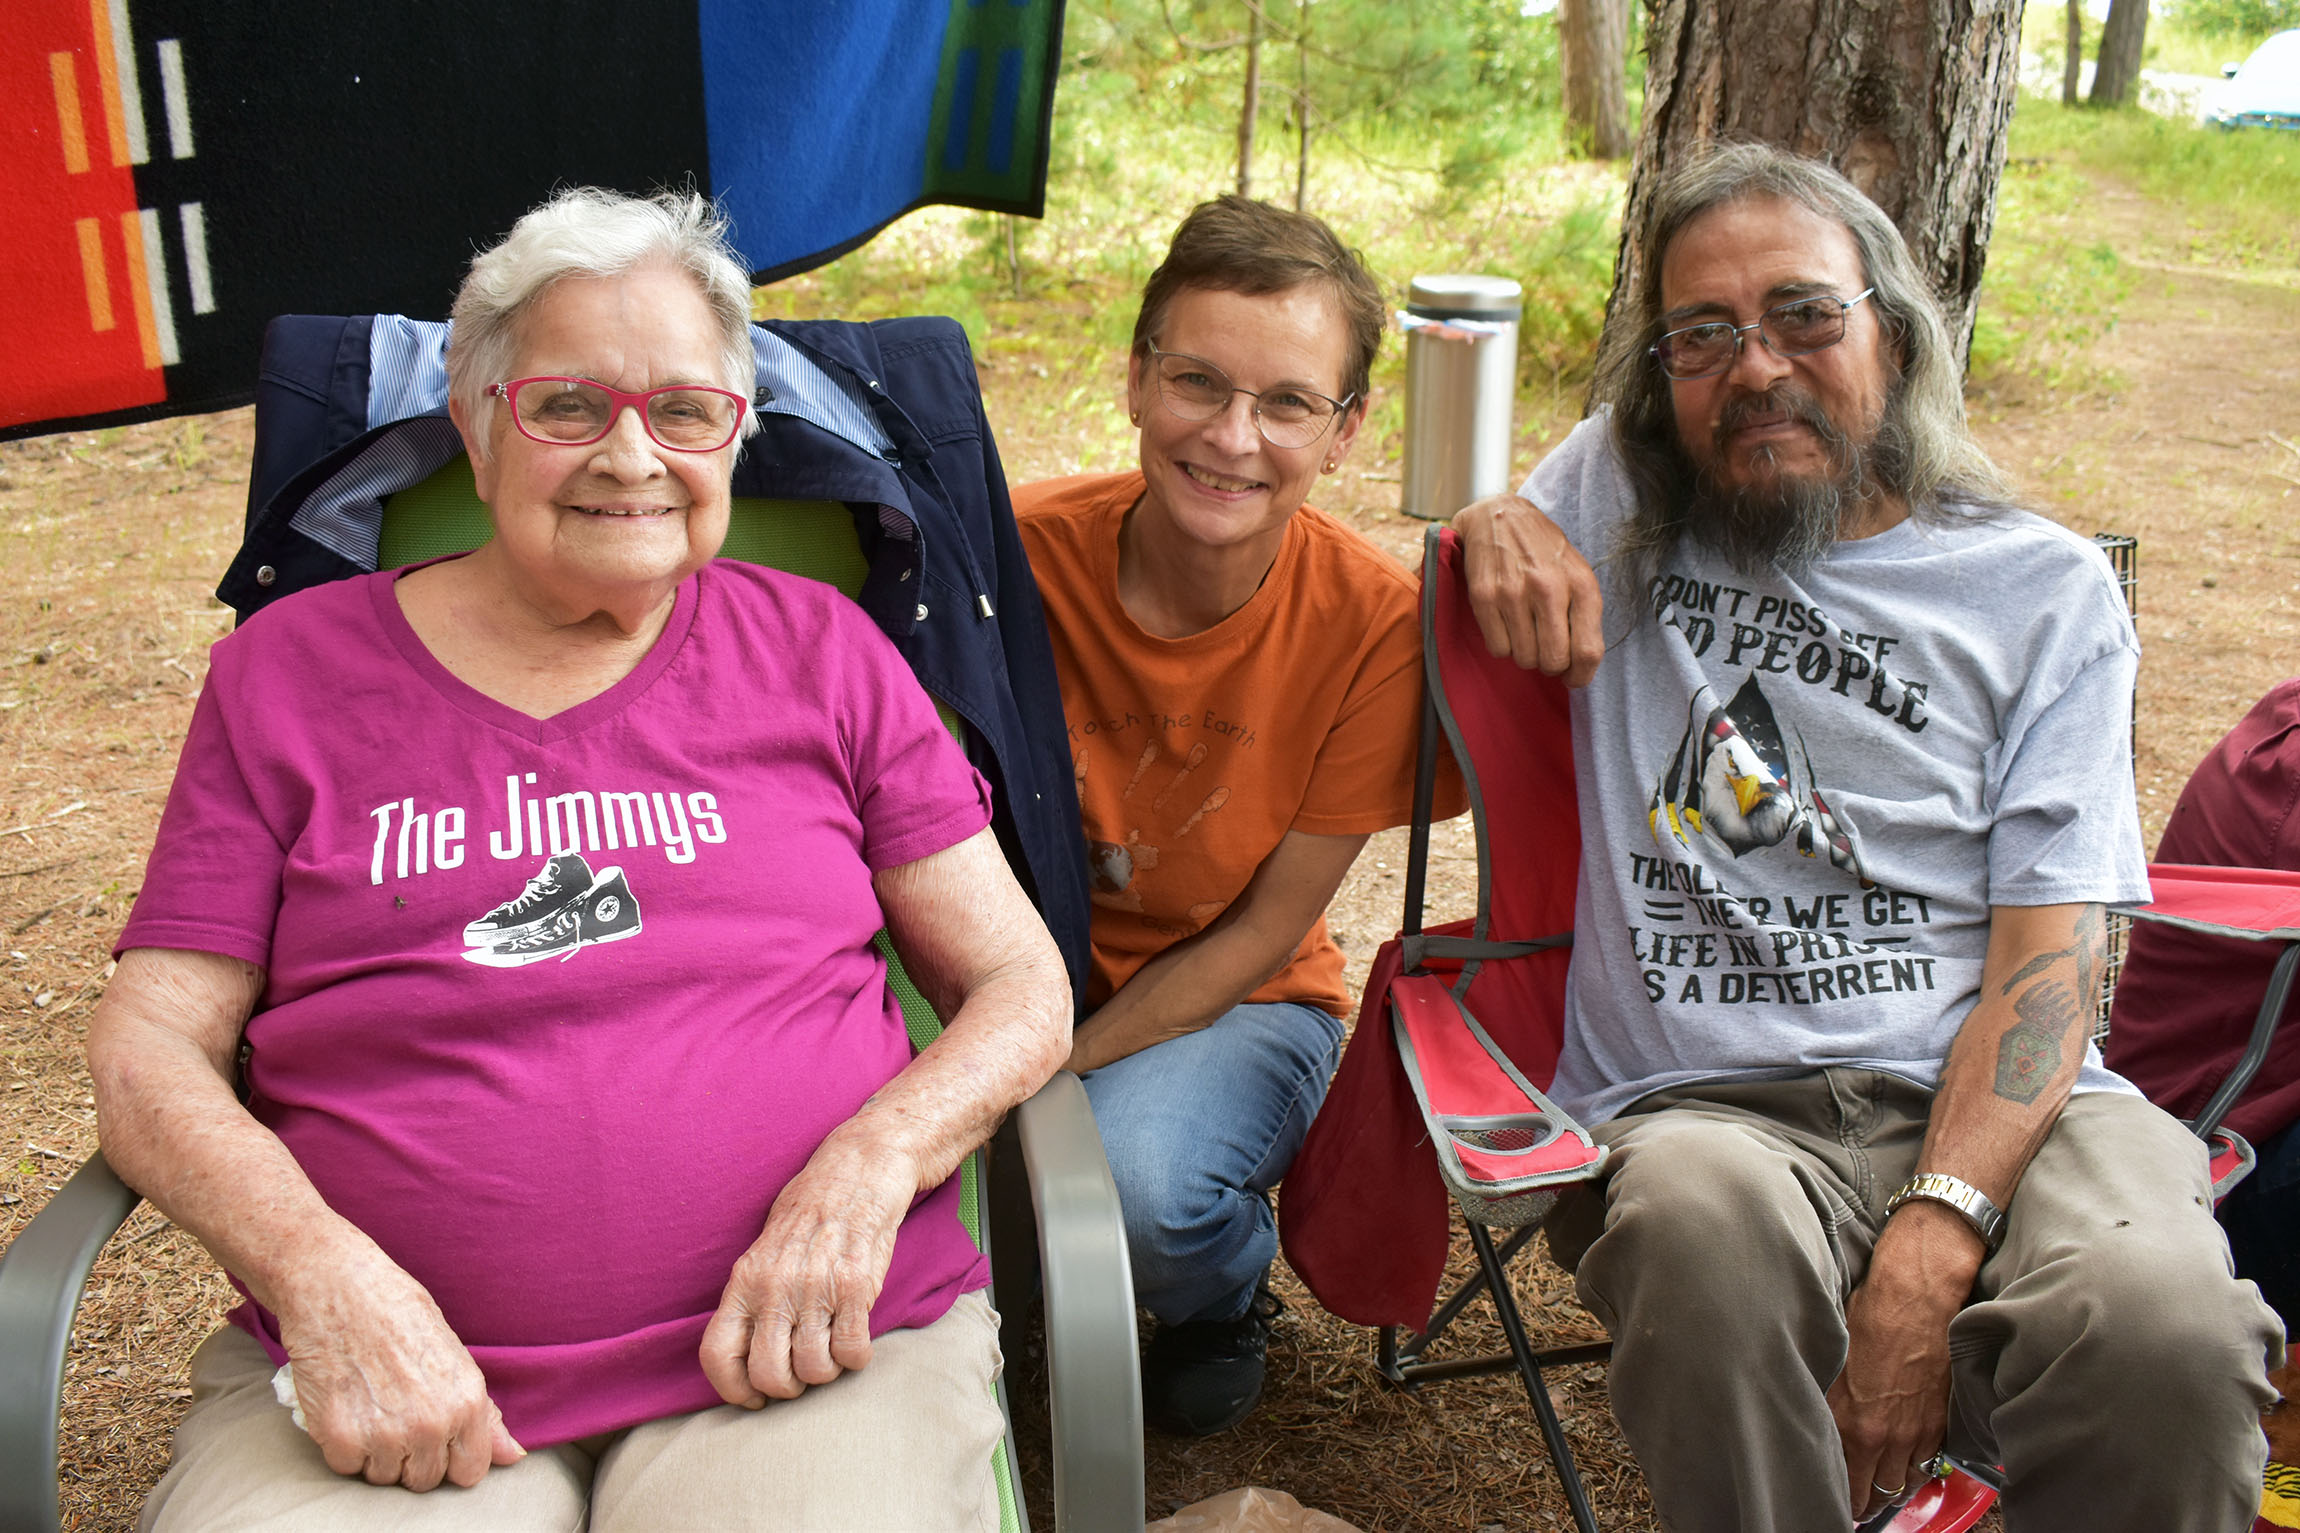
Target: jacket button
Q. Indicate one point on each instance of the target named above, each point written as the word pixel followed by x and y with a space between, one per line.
pixel 919 612
pixel 266 575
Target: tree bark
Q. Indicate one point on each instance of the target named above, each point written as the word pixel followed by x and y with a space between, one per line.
pixel 1909 98
pixel 1592 37
pixel 2117 70
pixel 2072 67
pixel 1302 107
pixel 1255 26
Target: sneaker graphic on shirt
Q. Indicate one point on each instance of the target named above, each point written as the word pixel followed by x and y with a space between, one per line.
pixel 563 880
pixel 604 912
pixel 607 913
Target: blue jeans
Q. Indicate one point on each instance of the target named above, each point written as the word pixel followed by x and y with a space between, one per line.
pixel 1198 1130
pixel 2262 1218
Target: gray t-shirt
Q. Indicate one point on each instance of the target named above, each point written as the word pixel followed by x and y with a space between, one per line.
pixel 1800 798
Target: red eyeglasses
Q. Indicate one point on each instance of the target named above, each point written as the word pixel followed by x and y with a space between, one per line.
pixel 572 412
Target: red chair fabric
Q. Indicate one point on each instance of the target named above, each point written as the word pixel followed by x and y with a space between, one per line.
pixel 2259 903
pixel 1363 1214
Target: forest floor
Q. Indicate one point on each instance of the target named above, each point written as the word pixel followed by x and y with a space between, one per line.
pixel 2174 426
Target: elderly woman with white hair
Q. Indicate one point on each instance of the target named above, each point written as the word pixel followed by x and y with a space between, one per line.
pixel 660 1232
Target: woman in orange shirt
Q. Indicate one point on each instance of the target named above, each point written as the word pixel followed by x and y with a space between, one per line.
pixel 1241 680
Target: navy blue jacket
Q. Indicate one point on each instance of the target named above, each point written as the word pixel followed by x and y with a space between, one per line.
pixel 948 580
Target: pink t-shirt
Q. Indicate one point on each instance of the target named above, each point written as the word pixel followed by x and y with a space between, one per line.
pixel 555 1007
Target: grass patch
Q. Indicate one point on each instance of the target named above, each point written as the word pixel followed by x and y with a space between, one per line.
pixel 2233 193
pixel 2052 286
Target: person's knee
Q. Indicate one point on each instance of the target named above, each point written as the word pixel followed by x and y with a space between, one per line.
pixel 1703 1228
pixel 2158 1306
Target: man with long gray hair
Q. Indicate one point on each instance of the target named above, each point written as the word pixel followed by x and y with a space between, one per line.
pixel 1855 786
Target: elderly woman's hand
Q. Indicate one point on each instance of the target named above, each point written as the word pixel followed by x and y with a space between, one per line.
pixel 797 1309
pixel 387 1390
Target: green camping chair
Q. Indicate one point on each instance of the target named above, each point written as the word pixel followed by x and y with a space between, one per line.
pixel 1050 1144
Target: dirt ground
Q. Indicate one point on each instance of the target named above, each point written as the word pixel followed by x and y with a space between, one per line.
pixel 113 542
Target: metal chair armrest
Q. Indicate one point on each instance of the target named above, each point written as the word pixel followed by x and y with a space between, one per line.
pixel 41 1277
pixel 1094 1374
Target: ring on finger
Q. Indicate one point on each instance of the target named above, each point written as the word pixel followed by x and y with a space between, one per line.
pixel 1887 1491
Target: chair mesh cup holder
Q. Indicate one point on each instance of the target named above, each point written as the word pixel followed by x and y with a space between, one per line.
pixel 1504 1169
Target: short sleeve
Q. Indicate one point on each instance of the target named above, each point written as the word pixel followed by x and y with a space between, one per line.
pixel 1581 485
pixel 914 790
pixel 213 882
pixel 2066 827
pixel 1363 778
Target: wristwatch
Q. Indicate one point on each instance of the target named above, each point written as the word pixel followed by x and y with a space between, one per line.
pixel 1987 1220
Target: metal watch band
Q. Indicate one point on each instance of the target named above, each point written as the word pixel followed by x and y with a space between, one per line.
pixel 1987 1220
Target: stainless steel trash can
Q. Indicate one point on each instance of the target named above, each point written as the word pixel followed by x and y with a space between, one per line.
pixel 1461 390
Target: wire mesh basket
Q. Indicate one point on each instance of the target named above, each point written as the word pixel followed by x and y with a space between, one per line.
pixel 2124 559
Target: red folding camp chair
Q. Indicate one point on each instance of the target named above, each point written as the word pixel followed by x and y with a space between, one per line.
pixel 2252 905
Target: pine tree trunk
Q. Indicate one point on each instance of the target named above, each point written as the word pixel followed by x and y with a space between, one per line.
pixel 2117 70
pixel 1255 26
pixel 1592 37
pixel 2072 67
pixel 1909 98
pixel 1302 107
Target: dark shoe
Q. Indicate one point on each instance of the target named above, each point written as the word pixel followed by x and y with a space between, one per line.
pixel 1205 1376
pixel 608 913
pixel 563 880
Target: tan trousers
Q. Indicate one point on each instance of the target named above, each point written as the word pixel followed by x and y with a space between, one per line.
pixel 904 1444
pixel 2108 1358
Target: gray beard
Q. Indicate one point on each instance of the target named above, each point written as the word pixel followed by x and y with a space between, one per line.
pixel 1790 524
pixel 1787 526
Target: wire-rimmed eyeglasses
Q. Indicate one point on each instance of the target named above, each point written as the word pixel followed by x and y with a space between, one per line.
pixel 1793 329
pixel 574 412
pixel 1194 389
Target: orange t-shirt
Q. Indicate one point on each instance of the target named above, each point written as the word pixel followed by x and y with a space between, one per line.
pixel 1195 757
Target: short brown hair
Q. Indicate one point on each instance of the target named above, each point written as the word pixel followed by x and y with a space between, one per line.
pixel 1234 244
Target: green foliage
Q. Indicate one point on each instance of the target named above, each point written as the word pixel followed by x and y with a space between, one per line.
pixel 2232 194
pixel 2054 286
pixel 1456 163
pixel 2243 21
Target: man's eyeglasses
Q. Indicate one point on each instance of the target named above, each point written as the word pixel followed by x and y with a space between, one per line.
pixel 1194 389
pixel 1791 329
pixel 573 412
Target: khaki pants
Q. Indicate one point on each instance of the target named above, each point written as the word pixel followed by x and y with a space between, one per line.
pixel 2108 1358
pixel 903 1444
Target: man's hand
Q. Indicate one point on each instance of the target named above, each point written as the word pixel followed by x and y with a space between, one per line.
pixel 1891 1402
pixel 387 1390
pixel 796 1311
pixel 1535 598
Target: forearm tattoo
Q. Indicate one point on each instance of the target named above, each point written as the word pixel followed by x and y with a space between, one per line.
pixel 2048 1010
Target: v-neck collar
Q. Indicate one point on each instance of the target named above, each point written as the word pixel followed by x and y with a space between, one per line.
pixel 562 725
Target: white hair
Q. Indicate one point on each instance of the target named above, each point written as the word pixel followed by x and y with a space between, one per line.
pixel 588 231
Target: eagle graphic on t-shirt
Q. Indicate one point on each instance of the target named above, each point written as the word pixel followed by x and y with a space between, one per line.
pixel 1744 781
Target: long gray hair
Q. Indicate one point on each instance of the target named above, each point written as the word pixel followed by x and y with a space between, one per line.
pixel 588 231
pixel 1924 452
